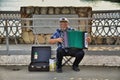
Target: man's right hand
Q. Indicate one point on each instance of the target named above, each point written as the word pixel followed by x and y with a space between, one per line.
pixel 57 40
pixel 60 40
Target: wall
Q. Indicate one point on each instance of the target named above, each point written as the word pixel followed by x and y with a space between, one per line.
pixel 27 12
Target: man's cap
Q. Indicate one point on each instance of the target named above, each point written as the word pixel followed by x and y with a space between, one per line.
pixel 63 19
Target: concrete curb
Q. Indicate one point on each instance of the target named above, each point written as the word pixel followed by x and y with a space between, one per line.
pixel 93 60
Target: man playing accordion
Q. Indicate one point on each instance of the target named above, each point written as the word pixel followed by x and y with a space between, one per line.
pixel 57 37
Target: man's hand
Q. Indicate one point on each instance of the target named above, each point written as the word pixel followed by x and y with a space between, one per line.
pixel 60 40
pixel 53 41
pixel 88 39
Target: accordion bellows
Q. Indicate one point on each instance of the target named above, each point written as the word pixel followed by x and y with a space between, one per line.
pixel 75 39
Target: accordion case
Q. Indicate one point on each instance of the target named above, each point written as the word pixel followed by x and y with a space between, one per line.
pixel 40 56
pixel 75 39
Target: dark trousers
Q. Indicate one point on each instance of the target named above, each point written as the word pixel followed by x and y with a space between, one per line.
pixel 77 53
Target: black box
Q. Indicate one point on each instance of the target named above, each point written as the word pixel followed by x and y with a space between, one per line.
pixel 40 56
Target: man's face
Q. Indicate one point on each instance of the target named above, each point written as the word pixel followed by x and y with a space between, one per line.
pixel 63 25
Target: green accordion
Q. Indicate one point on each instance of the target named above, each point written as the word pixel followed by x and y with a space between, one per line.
pixel 75 39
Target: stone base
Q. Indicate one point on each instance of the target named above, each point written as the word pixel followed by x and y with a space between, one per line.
pixel 92 60
pixel 101 60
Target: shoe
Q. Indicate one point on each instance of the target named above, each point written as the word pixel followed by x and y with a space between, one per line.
pixel 59 70
pixel 76 68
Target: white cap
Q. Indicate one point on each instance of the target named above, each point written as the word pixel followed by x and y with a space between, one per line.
pixel 63 19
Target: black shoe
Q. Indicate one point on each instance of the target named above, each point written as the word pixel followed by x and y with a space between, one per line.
pixel 76 68
pixel 59 70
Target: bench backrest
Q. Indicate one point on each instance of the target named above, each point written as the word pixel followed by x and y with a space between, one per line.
pixel 49 23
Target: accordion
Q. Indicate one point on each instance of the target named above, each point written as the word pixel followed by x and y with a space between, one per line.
pixel 75 39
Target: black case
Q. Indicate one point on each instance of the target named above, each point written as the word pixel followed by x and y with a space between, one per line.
pixel 41 61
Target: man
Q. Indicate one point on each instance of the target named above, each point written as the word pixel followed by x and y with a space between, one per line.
pixel 57 37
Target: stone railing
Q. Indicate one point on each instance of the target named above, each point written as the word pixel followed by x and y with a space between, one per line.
pixel 10 26
pixel 106 27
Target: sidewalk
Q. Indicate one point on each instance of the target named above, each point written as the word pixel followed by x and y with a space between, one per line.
pixel 96 55
pixel 86 73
